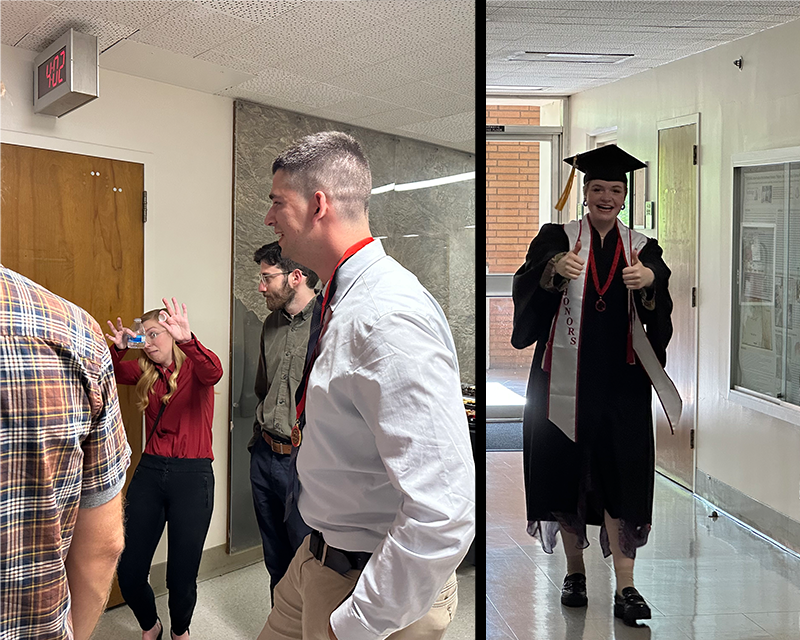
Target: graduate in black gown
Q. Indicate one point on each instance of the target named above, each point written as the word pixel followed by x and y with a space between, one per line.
pixel 603 473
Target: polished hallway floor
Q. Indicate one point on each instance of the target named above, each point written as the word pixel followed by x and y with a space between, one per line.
pixel 704 578
pixel 234 606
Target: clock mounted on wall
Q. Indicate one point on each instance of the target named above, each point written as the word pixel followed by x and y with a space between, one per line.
pixel 65 75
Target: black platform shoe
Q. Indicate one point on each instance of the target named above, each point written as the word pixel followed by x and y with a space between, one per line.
pixel 630 606
pixel 573 593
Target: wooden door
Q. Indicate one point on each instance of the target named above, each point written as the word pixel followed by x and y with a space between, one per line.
pixel 73 224
pixel 677 235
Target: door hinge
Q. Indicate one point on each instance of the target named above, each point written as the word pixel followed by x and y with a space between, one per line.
pixel 691 439
pixel 694 154
pixel 144 206
pixel 694 296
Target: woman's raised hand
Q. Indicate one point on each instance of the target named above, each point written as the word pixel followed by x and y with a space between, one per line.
pixel 571 265
pixel 119 334
pixel 177 321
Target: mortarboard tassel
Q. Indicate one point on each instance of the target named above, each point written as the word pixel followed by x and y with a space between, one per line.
pixel 565 194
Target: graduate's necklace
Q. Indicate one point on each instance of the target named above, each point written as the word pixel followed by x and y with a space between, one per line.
pixel 600 305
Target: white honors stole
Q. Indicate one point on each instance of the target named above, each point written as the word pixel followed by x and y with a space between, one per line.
pixel 561 359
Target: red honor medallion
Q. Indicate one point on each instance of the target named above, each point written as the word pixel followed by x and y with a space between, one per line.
pixel 297 435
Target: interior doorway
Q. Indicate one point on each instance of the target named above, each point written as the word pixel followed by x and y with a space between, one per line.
pixel 676 211
pixel 73 223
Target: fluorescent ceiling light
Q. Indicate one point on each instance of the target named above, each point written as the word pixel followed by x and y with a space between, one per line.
pixel 470 226
pixel 381 237
pixel 424 184
pixel 411 235
pixel 506 90
pixel 567 56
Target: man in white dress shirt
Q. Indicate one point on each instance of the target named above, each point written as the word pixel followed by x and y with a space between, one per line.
pixel 385 465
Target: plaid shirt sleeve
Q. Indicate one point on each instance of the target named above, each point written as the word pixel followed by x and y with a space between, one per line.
pixel 106 449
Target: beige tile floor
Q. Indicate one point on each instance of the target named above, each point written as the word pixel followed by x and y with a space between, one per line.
pixel 234 607
pixel 705 579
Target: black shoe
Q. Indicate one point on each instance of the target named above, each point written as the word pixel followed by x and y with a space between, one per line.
pixel 630 606
pixel 573 593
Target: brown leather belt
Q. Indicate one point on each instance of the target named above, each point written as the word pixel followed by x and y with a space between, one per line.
pixel 277 447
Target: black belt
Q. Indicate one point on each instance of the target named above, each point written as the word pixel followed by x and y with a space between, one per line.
pixel 337 559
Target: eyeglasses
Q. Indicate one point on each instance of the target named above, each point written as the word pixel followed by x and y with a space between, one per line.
pixel 151 336
pixel 264 278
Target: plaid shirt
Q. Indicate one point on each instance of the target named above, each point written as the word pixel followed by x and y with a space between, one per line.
pixel 62 446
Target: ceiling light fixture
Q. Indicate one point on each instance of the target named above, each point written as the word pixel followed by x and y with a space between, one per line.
pixel 567 56
pixel 507 90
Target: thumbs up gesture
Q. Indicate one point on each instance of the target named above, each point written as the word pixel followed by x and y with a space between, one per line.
pixel 637 276
pixel 571 265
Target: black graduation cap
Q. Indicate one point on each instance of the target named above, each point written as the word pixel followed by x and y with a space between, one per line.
pixel 604 163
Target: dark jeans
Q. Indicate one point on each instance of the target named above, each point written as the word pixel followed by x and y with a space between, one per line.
pixel 175 490
pixel 269 477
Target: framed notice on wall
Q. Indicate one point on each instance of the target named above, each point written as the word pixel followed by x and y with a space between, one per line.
pixel 766 279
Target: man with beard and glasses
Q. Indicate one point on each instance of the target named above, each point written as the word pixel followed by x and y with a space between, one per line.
pixel 288 289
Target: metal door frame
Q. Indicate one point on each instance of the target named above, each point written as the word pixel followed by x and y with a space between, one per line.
pixel 498 285
pixel 672 123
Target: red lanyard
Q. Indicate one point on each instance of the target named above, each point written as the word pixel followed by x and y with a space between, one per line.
pixel 600 305
pixel 331 287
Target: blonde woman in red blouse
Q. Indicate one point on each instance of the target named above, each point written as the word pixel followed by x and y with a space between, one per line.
pixel 174 377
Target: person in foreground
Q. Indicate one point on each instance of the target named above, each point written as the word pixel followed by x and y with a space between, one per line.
pixel 63 458
pixel 174 482
pixel 382 449
pixel 288 290
pixel 588 438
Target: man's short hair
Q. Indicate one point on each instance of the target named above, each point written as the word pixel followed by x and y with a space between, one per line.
pixel 334 163
pixel 271 254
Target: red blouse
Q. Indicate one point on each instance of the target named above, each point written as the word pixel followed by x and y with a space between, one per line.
pixel 184 430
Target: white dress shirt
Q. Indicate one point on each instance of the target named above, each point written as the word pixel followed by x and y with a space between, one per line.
pixel 386 464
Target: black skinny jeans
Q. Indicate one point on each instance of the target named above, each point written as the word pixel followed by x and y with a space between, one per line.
pixel 175 490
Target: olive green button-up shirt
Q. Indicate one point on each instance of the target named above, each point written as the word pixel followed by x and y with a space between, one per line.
pixel 284 340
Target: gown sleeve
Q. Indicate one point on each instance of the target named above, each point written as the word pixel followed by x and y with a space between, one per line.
pixel 534 305
pixel 658 319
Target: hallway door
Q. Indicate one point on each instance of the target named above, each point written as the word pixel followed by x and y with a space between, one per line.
pixel 73 224
pixel 677 235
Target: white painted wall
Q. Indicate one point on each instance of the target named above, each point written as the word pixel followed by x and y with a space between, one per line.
pixel 184 139
pixel 755 109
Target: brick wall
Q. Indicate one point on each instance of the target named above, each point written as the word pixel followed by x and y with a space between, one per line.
pixel 512 219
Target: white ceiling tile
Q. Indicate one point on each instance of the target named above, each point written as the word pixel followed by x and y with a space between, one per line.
pixel 232 62
pixel 258 11
pixel 93 23
pixel 460 127
pixel 18 18
pixel 394 118
pixel 371 80
pixel 382 42
pixel 360 107
pixel 458 81
pixel 320 64
pixel 192 29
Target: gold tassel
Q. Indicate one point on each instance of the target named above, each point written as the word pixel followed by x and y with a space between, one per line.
pixel 565 194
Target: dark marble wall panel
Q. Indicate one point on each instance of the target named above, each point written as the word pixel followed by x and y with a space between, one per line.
pixel 442 255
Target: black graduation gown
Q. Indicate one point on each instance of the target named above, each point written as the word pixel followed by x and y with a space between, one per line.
pixel 614 451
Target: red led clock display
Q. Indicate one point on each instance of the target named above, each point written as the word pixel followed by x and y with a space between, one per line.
pixel 52 72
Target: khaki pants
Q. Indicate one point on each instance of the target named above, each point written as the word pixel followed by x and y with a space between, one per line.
pixel 310 592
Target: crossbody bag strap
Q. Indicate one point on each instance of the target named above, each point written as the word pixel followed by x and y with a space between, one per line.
pixel 155 425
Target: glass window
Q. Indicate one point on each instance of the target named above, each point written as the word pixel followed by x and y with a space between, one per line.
pixel 766 283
